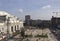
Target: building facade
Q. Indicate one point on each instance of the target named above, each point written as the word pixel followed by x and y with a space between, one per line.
pixel 9 23
pixel 55 22
pixel 27 19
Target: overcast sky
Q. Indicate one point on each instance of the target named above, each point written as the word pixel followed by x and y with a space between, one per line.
pixel 38 9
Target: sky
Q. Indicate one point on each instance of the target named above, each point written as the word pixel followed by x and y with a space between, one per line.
pixel 38 9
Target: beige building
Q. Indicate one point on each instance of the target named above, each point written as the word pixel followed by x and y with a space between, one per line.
pixel 9 23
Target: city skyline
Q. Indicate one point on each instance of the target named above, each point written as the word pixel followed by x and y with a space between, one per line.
pixel 38 9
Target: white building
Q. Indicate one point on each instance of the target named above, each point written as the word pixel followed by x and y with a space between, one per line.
pixel 9 23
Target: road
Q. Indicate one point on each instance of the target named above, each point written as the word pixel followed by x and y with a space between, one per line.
pixel 51 36
pixel 16 38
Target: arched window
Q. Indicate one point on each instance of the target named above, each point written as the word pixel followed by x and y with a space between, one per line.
pixel 15 28
pixel 12 28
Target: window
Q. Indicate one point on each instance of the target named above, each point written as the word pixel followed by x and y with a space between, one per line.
pixel 12 28
pixel 15 28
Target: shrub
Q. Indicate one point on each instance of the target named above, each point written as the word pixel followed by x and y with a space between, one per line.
pixel 41 35
pixel 22 32
pixel 28 36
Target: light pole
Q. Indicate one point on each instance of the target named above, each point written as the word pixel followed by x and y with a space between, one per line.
pixel 8 34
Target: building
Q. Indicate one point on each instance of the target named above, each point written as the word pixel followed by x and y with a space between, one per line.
pixel 35 22
pixel 55 22
pixel 40 23
pixel 9 23
pixel 27 19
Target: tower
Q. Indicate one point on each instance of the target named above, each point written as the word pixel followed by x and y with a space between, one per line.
pixel 27 19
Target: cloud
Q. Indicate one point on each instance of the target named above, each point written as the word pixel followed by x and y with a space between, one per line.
pixel 21 10
pixel 45 7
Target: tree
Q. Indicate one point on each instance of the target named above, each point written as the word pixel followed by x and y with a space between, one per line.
pixel 22 32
